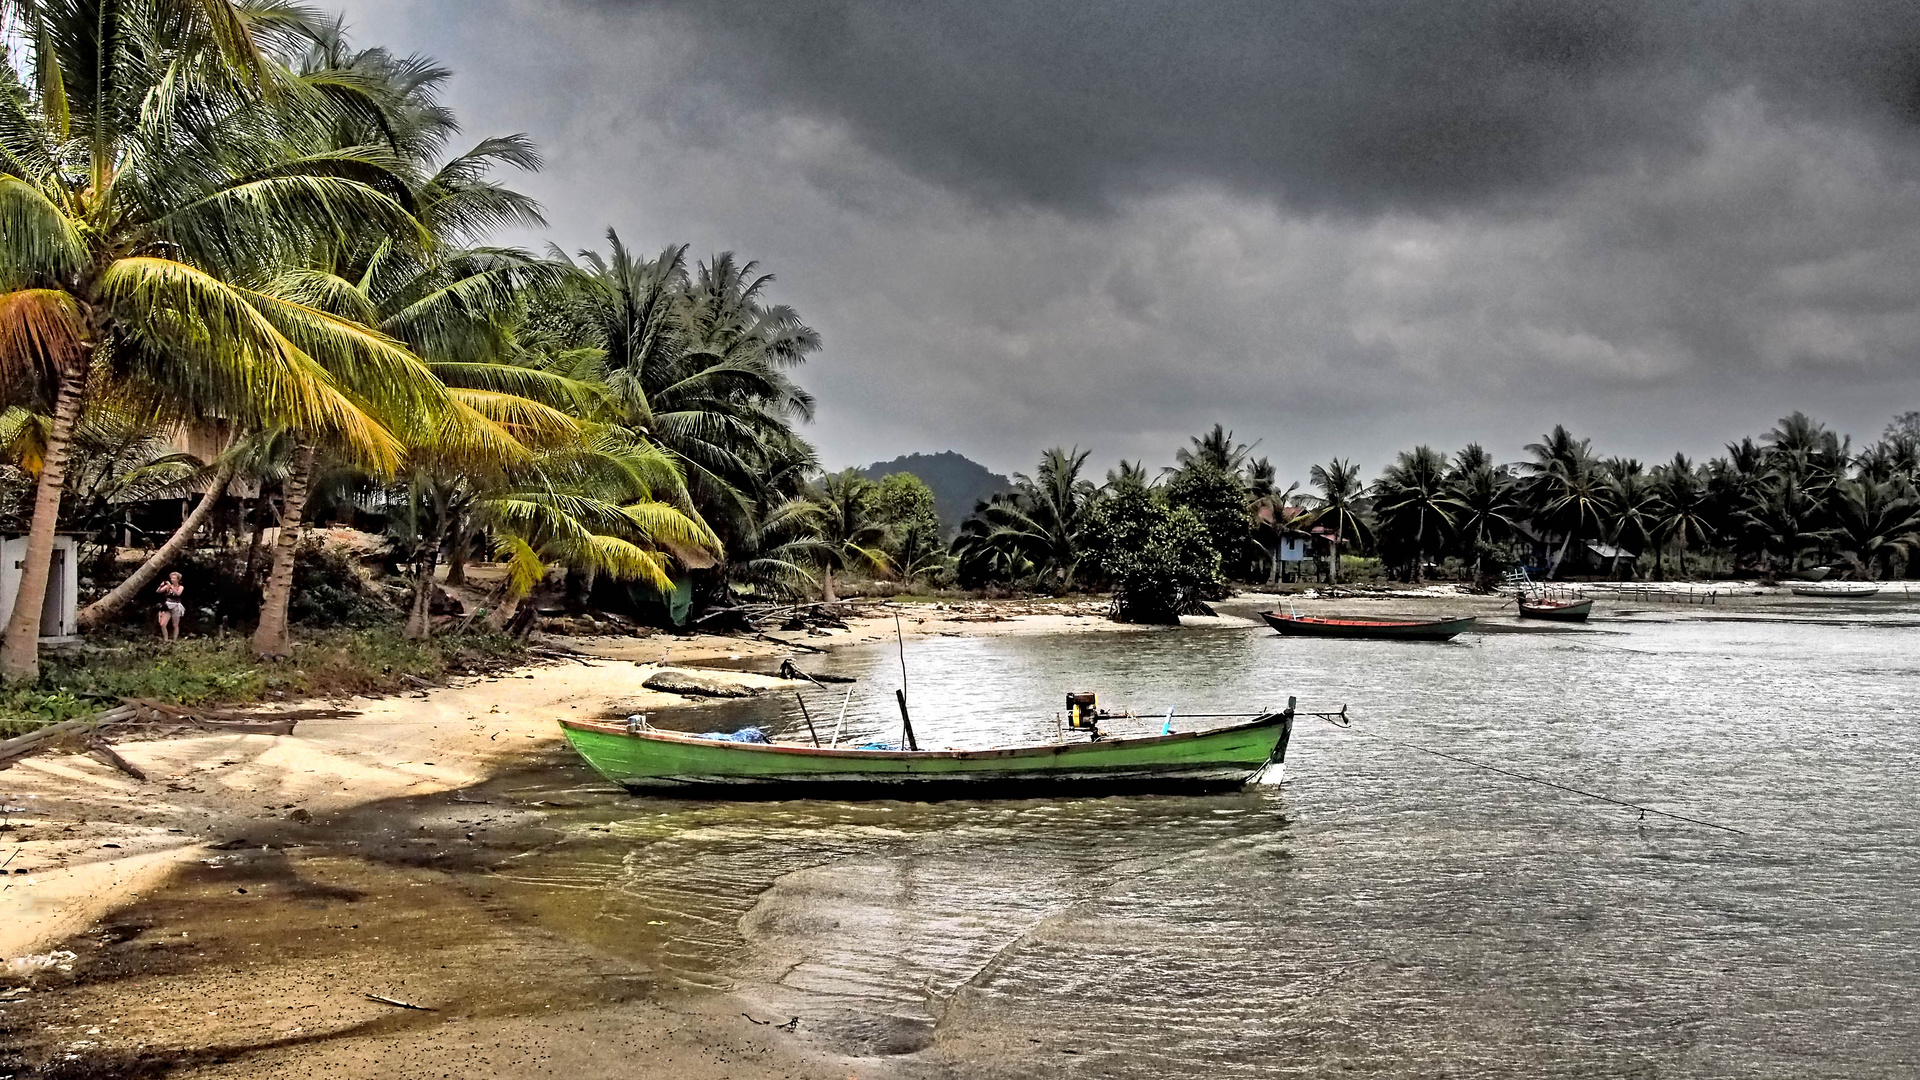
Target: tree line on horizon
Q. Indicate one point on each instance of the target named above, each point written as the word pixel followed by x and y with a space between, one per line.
pixel 1797 495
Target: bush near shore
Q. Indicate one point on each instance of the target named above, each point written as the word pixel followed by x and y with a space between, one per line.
pixel 224 671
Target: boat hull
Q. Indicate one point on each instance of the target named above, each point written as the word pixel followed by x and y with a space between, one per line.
pixel 1382 629
pixel 1836 592
pixel 652 762
pixel 1574 611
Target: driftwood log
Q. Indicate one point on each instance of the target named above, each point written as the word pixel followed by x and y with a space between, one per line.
pixel 695 684
pixel 21 745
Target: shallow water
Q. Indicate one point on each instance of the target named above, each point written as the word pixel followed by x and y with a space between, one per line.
pixel 1382 912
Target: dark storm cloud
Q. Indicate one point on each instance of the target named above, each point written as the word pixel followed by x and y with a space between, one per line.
pixel 1337 228
pixel 1354 105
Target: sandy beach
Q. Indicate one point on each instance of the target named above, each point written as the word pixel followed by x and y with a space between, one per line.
pixel 133 906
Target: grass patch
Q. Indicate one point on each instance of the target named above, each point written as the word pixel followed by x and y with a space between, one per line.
pixel 224 671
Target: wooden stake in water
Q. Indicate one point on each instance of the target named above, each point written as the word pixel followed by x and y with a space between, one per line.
pixel 808 719
pixel 906 722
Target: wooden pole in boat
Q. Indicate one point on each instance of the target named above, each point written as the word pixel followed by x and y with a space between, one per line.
pixel 808 719
pixel 843 719
pixel 906 724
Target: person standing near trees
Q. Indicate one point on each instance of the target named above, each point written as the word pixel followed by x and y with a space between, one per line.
pixel 173 611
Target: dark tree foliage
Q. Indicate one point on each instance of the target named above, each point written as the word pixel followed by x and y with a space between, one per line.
pixel 1157 557
pixel 1219 499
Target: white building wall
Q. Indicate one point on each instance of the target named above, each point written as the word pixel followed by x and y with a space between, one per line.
pixel 59 616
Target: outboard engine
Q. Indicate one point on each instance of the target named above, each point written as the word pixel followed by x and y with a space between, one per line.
pixel 1083 712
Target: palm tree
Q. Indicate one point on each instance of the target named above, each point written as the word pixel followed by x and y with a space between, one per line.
pixel 1042 522
pixel 150 178
pixel 1127 472
pixel 1686 512
pixel 1341 510
pixel 1634 509
pixel 1215 449
pixel 1783 518
pixel 1486 503
pixel 695 362
pixel 1873 522
pixel 1272 523
pixel 605 504
pixel 774 551
pixel 849 537
pixel 1414 505
pixel 1565 489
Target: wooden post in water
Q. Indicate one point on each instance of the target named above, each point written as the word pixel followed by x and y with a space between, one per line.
pixel 906 722
pixel 808 719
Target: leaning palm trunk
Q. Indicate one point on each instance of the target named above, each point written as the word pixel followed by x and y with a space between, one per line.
pixel 1553 567
pixel 20 653
pixel 123 594
pixel 271 638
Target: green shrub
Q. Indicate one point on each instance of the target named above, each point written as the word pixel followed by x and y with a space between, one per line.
pixel 224 671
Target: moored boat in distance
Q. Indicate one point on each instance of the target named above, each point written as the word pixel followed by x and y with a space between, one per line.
pixel 1838 590
pixel 646 760
pixel 1291 625
pixel 1567 610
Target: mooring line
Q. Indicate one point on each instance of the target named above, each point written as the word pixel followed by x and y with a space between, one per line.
pixel 1644 810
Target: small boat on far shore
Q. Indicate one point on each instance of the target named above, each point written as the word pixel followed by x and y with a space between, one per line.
pixel 1444 629
pixel 1569 610
pixel 1838 590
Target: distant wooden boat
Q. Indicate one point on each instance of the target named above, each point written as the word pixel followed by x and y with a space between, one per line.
pixel 647 760
pixel 1540 607
pixel 1393 629
pixel 1811 573
pixel 1839 590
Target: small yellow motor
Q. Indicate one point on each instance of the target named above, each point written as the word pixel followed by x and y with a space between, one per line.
pixel 1083 711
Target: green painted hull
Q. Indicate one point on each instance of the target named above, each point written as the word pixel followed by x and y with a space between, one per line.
pixel 660 762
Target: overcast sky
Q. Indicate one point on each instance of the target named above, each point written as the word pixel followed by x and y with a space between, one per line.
pixel 1340 228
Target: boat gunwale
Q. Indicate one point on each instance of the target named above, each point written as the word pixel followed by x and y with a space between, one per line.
pixel 618 728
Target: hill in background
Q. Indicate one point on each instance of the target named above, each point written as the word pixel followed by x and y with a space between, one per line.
pixel 957 482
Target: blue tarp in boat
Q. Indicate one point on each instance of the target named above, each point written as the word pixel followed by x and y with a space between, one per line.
pixel 745 734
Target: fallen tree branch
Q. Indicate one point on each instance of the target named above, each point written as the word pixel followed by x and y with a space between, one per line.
pixel 105 752
pixel 20 746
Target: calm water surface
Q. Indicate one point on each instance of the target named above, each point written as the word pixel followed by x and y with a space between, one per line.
pixel 1382 912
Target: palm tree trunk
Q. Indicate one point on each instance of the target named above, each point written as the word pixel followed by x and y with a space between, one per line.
pixel 20 652
pixel 826 592
pixel 123 594
pixel 500 616
pixel 1333 561
pixel 457 554
pixel 420 617
pixel 1553 566
pixel 271 638
pixel 253 547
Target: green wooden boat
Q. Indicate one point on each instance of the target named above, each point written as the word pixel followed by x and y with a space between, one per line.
pixel 650 761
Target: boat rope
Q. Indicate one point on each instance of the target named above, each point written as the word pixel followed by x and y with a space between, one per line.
pixel 1644 810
